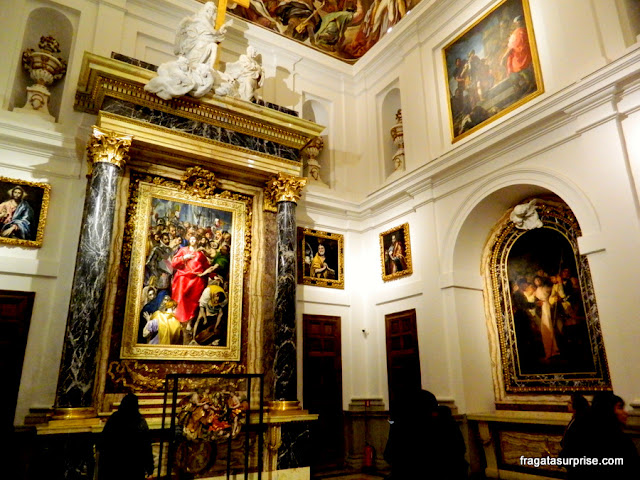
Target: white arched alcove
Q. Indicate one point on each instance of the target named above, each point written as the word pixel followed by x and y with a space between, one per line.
pixel 43 22
pixel 316 111
pixel 390 106
pixel 461 278
pixel 493 197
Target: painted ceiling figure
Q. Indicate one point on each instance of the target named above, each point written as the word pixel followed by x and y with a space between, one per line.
pixel 300 17
pixel 381 15
pixel 331 33
pixel 260 12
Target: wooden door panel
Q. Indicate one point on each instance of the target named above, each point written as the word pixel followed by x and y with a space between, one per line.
pixel 322 388
pixel 15 316
pixel 403 357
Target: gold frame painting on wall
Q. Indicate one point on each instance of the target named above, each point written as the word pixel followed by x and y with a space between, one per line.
pixel 543 302
pixel 184 246
pixel 23 211
pixel 320 258
pixel 491 68
pixel 395 253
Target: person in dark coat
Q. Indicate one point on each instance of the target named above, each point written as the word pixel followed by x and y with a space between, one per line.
pixel 600 436
pixel 125 444
pixel 450 447
pixel 424 440
pixel 574 435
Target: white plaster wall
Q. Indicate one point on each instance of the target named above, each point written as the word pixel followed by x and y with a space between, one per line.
pixel 43 156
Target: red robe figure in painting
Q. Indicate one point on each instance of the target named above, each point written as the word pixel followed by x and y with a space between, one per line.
pixel 518 55
pixel 191 268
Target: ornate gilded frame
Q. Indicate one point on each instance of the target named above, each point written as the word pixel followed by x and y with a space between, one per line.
pixel 488 35
pixel 37 197
pixel 403 266
pixel 516 261
pixel 196 190
pixel 308 242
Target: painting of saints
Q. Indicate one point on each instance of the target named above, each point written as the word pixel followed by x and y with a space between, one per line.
pixel 187 253
pixel 191 268
pixel 162 327
pixel 187 249
pixel 213 315
pixel 546 299
pixel 17 215
pixel 319 266
pixel 492 67
pixel 395 252
pixel 320 258
pixel 396 259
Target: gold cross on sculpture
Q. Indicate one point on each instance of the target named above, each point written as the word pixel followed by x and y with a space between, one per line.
pixel 222 10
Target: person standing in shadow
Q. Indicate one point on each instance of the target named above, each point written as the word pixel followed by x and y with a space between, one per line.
pixel 423 443
pixel 452 463
pixel 125 445
pixel 608 418
pixel 574 435
pixel 599 434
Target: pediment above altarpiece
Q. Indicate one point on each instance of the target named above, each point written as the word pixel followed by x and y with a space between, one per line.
pixel 246 140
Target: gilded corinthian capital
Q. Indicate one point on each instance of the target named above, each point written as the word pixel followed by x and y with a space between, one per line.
pixel 108 147
pixel 284 188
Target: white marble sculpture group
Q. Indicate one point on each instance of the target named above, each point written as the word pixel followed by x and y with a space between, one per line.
pixel 194 73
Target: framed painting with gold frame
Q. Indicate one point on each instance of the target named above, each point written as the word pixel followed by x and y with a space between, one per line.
pixel 184 293
pixel 320 258
pixel 491 68
pixel 544 304
pixel 395 253
pixel 23 211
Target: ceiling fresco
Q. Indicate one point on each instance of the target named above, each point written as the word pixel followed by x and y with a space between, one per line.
pixel 345 29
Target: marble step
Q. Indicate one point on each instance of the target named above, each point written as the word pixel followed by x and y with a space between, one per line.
pixel 151 404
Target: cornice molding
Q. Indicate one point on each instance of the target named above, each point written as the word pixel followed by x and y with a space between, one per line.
pixel 54 152
pixel 549 122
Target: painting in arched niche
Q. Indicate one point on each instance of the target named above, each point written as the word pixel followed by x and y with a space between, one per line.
pixel 543 301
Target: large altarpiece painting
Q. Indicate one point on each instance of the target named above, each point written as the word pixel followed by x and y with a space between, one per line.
pixel 543 302
pixel 185 281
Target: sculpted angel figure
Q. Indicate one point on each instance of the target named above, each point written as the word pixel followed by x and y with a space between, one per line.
pixel 243 77
pixel 525 216
pixel 174 79
pixel 197 39
pixel 196 46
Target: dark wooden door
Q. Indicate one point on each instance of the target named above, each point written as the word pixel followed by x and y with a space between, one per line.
pixel 403 357
pixel 322 389
pixel 15 316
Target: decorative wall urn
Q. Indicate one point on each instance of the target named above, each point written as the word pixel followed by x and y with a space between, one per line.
pixel 311 152
pixel 398 139
pixel 45 69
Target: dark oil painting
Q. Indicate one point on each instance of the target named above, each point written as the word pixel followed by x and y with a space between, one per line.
pixel 546 299
pixel 491 68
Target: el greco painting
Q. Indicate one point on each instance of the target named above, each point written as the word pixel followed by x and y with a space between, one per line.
pixel 491 68
pixel 320 258
pixel 23 211
pixel 544 303
pixel 395 253
pixel 184 296
pixel 345 29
